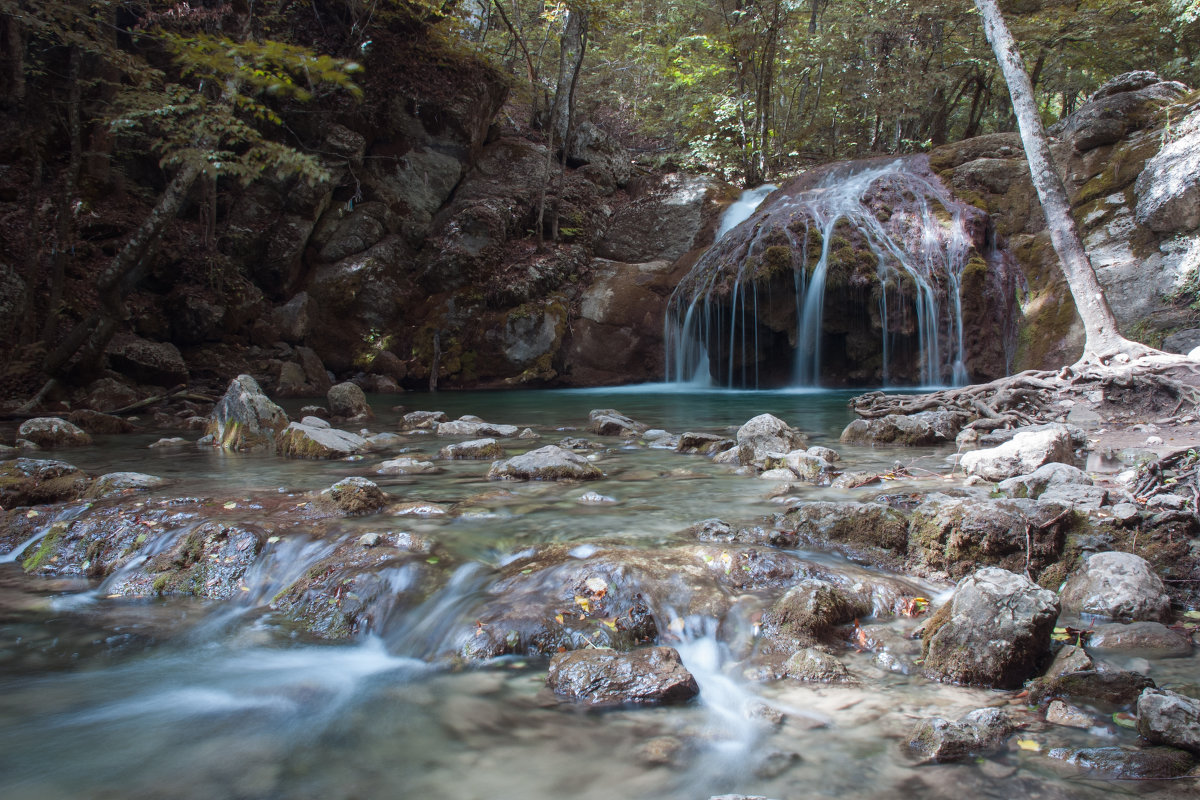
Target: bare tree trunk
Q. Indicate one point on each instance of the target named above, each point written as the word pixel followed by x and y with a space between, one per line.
pixel 64 233
pixel 1100 326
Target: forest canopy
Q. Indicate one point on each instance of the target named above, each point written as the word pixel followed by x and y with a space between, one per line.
pixel 753 88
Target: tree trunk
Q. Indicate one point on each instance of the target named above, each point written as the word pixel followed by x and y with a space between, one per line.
pixel 1099 324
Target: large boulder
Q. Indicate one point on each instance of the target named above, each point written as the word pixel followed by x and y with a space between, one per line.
pixel 1126 103
pixel 1168 188
pixel 549 463
pixel 245 418
pixel 923 429
pixel 355 496
pixel 1021 455
pixel 315 439
pixel 51 432
pixel 348 400
pixel 668 217
pixel 144 361
pixel 606 677
pixel 994 631
pixel 1116 585
pixel 1043 478
pixel 764 435
pixel 1148 639
pixel 807 613
pixel 600 156
pixel 980 731
pixel 610 422
pixel 1169 718
pixel 861 530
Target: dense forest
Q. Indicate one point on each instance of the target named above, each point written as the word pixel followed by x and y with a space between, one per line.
pixel 139 135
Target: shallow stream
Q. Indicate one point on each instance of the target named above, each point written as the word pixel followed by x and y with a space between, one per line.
pixel 110 697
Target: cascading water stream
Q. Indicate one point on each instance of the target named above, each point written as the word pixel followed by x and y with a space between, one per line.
pixel 889 229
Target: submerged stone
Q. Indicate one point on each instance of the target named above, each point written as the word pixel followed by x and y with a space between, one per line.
pixel 549 463
pixel 606 677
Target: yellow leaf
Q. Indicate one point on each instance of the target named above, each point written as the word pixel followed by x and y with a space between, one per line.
pixel 1028 744
pixel 612 623
pixel 30 514
pixel 230 504
pixel 583 603
pixel 558 618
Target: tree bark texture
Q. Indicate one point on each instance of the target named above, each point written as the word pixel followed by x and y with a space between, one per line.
pixel 1099 324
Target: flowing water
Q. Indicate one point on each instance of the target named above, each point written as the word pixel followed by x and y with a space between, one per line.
pixel 915 237
pixel 105 696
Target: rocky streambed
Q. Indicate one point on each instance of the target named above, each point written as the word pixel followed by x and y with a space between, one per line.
pixel 647 594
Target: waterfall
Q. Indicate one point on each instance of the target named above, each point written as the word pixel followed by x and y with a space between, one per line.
pixel 887 230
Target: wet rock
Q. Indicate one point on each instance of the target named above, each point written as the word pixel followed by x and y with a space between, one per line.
pixel 52 432
pixel 806 613
pixel 610 422
pixel 957 535
pixel 96 422
pixel 1149 639
pixel 766 434
pixel 1042 478
pixel 662 751
pixel 1165 717
pixel 1115 688
pixel 115 483
pixel 420 420
pixel 1120 586
pixel 549 463
pixel 994 631
pixel 418 508
pixel 815 666
pixel 829 454
pixel 1071 658
pixel 355 496
pixel 980 731
pixel 1021 455
pixel 478 449
pixel 169 442
pixel 406 465
pixel 378 442
pixel 870 530
pixel 347 400
pixel 715 530
pixel 704 443
pixel 1082 498
pixel 528 433
pixel 473 426
pixel 595 499
pixel 207 561
pixel 244 418
pixel 1059 713
pixel 606 677
pixel 923 429
pixel 144 361
pixel 30 482
pixel 315 442
pixel 1150 763
pixel 109 394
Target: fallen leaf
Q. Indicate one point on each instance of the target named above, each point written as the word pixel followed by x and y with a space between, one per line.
pixel 1125 719
pixel 558 618
pixel 1028 744
pixel 612 623
pixel 595 585
pixel 229 505
pixel 583 603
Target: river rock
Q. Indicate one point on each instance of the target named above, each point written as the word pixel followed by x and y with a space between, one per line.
pixel 422 420
pixel 811 665
pixel 1042 478
pixel 244 418
pixel 1060 713
pixel 1122 105
pixel 1116 585
pixel 606 677
pixel 31 481
pixel 1148 763
pixel 355 496
pixel 705 443
pixel 827 453
pixel 310 441
pixel 1023 454
pixel 406 465
pixel 115 483
pixel 1149 639
pixel 1071 658
pixel 109 394
pixel 806 613
pixel 994 631
pixel 347 400
pixel 99 423
pixel 549 463
pixel 51 432
pixel 977 732
pixel 766 434
pixel 477 449
pixel 1165 717
pixel 924 429
pixel 1119 688
pixel 1071 495
pixel 207 561
pixel 870 530
pixel 473 426
pixel 610 422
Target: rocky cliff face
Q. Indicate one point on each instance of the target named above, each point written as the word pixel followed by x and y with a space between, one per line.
pixel 1129 160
